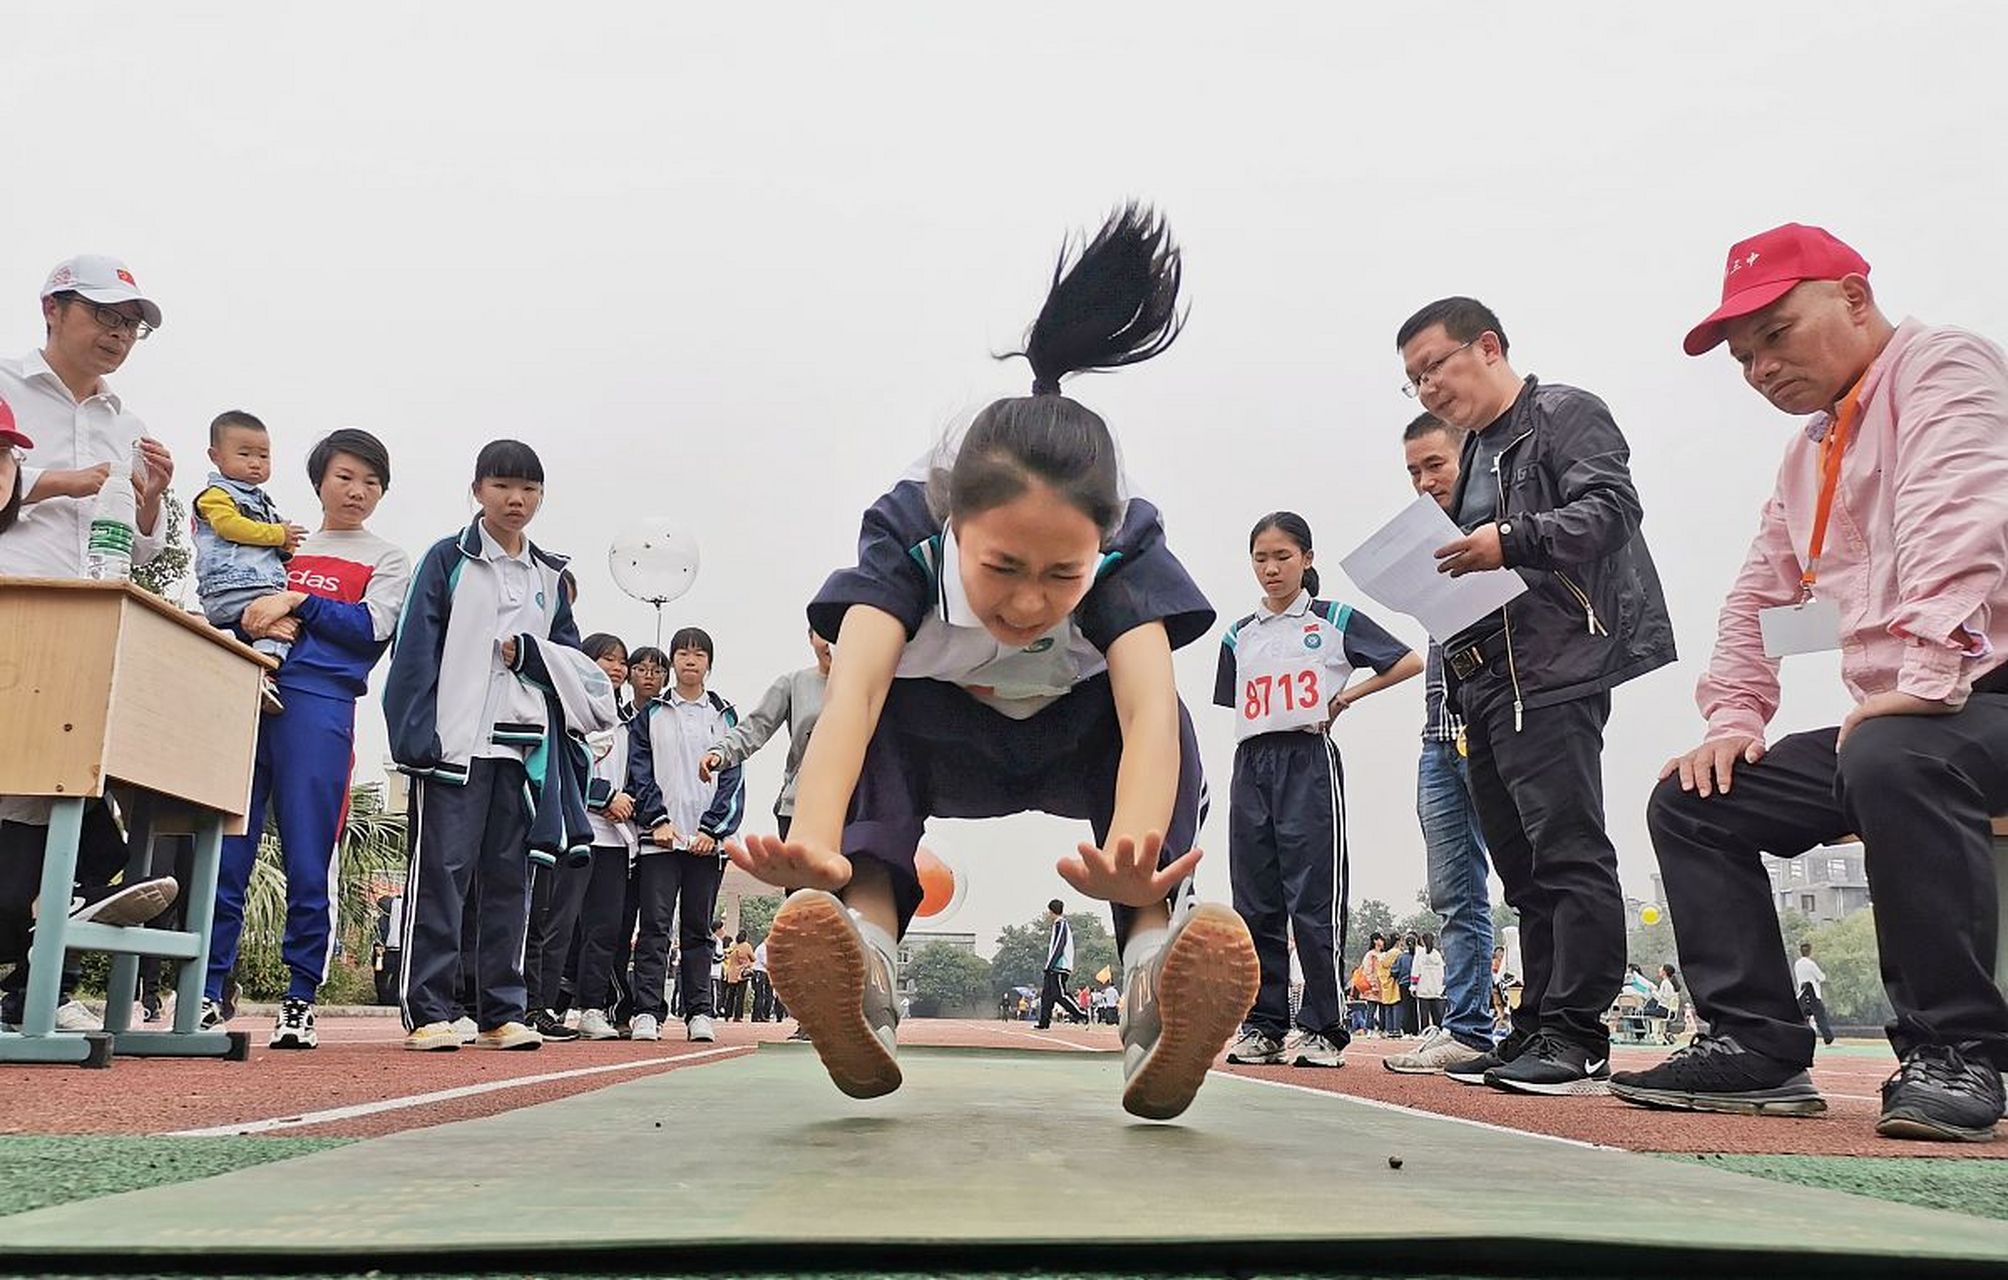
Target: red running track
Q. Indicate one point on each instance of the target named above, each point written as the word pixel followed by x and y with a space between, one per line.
pixel 359 1065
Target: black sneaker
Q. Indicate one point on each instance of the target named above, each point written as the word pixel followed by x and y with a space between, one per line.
pixel 1940 1096
pixel 552 1027
pixel 1715 1073
pixel 1553 1067
pixel 1472 1070
pixel 295 1026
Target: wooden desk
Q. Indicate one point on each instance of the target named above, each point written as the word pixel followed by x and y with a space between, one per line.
pixel 105 687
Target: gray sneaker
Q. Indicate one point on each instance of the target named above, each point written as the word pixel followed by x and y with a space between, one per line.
pixel 840 989
pixel 1256 1049
pixel 1438 1053
pixel 1313 1049
pixel 1180 1005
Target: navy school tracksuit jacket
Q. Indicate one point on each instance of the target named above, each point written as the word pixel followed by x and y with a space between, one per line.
pixel 435 694
pixel 658 748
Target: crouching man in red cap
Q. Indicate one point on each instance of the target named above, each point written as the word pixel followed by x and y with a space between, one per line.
pixel 1886 539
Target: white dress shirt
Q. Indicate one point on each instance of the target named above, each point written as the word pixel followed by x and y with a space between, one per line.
pixel 51 536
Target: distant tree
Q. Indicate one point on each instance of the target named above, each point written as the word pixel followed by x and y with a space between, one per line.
pixel 949 982
pixel 756 916
pixel 163 574
pixel 1370 917
pixel 1503 918
pixel 1651 945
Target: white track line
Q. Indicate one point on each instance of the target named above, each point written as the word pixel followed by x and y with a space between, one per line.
pixel 1414 1111
pixel 1064 1044
pixel 439 1095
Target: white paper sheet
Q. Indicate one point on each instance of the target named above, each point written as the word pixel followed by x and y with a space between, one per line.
pixel 1396 565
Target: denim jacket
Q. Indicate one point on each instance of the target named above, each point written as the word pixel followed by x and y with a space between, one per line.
pixel 223 565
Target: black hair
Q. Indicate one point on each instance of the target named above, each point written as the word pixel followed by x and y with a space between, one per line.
pixel 233 418
pixel 1114 304
pixel 1378 936
pixel 10 508
pixel 1805 948
pixel 1057 907
pixel 693 638
pixel 1429 941
pixel 1673 976
pixel 358 444
pixel 508 460
pixel 742 935
pixel 1425 422
pixel 650 655
pixel 599 644
pixel 1296 529
pixel 1463 319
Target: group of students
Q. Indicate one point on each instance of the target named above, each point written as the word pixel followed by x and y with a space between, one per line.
pixel 1398 986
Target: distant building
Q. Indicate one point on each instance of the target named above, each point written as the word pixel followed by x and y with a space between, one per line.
pixel 1825 884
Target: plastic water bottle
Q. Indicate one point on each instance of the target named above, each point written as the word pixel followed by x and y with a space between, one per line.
pixel 114 525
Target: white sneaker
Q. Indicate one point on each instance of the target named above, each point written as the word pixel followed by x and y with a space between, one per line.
pixel 75 1015
pixel 594 1025
pixel 434 1037
pixel 132 904
pixel 1256 1048
pixel 212 1015
pixel 1181 1004
pixel 1313 1049
pixel 699 1029
pixel 1438 1051
pixel 841 986
pixel 464 1027
pixel 295 1026
pixel 644 1027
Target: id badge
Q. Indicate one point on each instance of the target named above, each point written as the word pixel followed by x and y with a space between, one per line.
pixel 1811 626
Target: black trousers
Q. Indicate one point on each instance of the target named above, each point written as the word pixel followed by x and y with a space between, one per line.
pixel 1286 865
pixel 1539 791
pixel 101 856
pixel 469 869
pixel 663 882
pixel 1054 993
pixel 1918 790
pixel 598 983
pixel 1811 1006
pixel 763 997
pixel 557 895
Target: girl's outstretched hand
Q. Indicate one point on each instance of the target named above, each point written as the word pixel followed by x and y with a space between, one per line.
pixel 790 864
pixel 1128 872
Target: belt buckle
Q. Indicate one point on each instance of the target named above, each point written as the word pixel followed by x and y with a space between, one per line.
pixel 1466 662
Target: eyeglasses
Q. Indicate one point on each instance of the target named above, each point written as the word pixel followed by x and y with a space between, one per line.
pixel 1427 377
pixel 114 320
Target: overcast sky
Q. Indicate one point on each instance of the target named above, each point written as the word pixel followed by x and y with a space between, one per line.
pixel 738 265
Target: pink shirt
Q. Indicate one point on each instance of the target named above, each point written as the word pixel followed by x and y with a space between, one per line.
pixel 1915 546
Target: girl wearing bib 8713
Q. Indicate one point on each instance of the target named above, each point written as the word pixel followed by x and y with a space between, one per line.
pixel 1284 672
pixel 1004 644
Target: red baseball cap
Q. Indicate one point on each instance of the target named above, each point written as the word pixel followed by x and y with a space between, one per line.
pixel 1765 268
pixel 8 435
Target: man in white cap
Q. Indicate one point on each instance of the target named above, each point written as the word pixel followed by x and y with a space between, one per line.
pixel 94 311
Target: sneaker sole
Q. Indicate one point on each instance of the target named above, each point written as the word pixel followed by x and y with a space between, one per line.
pixel 1208 984
pixel 1313 1062
pixel 1565 1089
pixel 1234 1060
pixel 1456 1077
pixel 816 961
pixel 513 1046
pixel 443 1046
pixel 291 1042
pixel 130 906
pixel 1909 1124
pixel 1723 1103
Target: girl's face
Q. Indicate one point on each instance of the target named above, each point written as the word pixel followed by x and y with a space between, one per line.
pixel 614 663
pixel 646 679
pixel 1027 564
pixel 508 504
pixel 1279 566
pixel 691 666
pixel 350 491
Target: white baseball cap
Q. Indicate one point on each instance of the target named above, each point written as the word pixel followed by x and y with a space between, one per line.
pixel 101 279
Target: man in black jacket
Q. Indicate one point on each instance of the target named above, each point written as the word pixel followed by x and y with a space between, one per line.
pixel 1544 489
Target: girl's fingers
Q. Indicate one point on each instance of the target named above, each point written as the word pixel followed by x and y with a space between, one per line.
pixel 1178 869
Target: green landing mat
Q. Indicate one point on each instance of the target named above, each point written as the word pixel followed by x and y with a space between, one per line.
pixel 987 1161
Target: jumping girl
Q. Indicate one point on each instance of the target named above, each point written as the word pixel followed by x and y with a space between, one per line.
pixel 1003 644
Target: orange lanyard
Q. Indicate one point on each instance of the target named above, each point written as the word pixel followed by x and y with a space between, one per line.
pixel 1832 446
